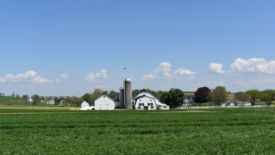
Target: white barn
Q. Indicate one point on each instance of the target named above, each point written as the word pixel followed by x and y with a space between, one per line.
pixel 147 101
pixel 104 103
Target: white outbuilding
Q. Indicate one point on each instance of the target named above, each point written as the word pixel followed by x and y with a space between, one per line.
pixel 104 103
pixel 85 104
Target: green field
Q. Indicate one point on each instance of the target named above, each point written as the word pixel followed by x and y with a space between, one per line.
pixel 217 131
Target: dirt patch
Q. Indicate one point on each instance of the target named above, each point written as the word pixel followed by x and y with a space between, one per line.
pixel 42 108
pixel 186 112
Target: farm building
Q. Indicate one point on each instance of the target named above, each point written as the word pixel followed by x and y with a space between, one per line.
pixel 51 101
pixel 104 103
pixel 85 106
pixel 147 101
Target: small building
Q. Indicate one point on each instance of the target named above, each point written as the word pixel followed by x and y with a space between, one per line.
pixel 30 100
pixel 104 103
pixel 51 101
pixel 84 104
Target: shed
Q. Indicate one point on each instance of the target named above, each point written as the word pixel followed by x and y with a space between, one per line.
pixel 84 104
pixel 104 103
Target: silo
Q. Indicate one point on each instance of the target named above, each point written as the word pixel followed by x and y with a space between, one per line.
pixel 128 93
pixel 121 98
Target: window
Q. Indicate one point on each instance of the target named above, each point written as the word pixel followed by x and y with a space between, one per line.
pixel 142 104
pixel 164 106
pixel 152 107
pixel 139 104
pixel 139 108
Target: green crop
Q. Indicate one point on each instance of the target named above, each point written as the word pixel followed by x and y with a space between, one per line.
pixel 220 131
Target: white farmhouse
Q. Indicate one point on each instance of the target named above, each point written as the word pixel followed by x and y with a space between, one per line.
pixel 104 103
pixel 147 101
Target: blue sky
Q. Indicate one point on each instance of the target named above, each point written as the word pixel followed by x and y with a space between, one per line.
pixel 71 47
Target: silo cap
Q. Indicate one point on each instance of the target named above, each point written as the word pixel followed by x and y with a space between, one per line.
pixel 129 80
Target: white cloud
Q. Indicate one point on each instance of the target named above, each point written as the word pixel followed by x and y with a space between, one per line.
pixel 64 76
pixel 148 77
pixel 253 65
pixel 39 79
pixel 100 75
pixel 26 75
pixel 8 78
pixel 215 68
pixel 57 80
pixel 163 71
pixel 253 82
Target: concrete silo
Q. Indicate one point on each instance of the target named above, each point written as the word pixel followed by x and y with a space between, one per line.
pixel 128 93
pixel 121 98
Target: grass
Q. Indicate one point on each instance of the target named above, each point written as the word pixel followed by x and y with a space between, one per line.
pixel 20 102
pixel 219 131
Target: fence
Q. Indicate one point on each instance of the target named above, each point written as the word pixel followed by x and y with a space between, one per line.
pixel 211 107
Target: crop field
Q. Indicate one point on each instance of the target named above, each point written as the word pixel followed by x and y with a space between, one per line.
pixel 213 131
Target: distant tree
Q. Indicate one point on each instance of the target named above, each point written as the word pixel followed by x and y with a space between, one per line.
pixel 253 95
pixel 13 95
pixel 201 94
pixel 268 96
pixel 42 98
pixel 112 94
pixel 26 97
pixel 241 98
pixel 87 97
pixel 36 99
pixel 17 96
pixel 96 94
pixel 135 91
pixel 219 95
pixel 0 94
pixel 67 100
pixel 77 101
pixel 174 97
pixel 105 92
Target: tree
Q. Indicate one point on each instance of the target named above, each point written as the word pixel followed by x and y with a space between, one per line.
pixel 253 95
pixel 77 101
pixel 67 100
pixel 268 96
pixel 135 91
pixel 26 97
pixel 42 98
pixel 87 97
pixel 174 97
pixel 96 94
pixel 241 98
pixel 219 95
pixel 36 99
pixel 112 94
pixel 201 94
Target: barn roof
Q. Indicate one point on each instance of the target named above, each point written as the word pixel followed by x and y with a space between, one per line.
pixel 106 97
